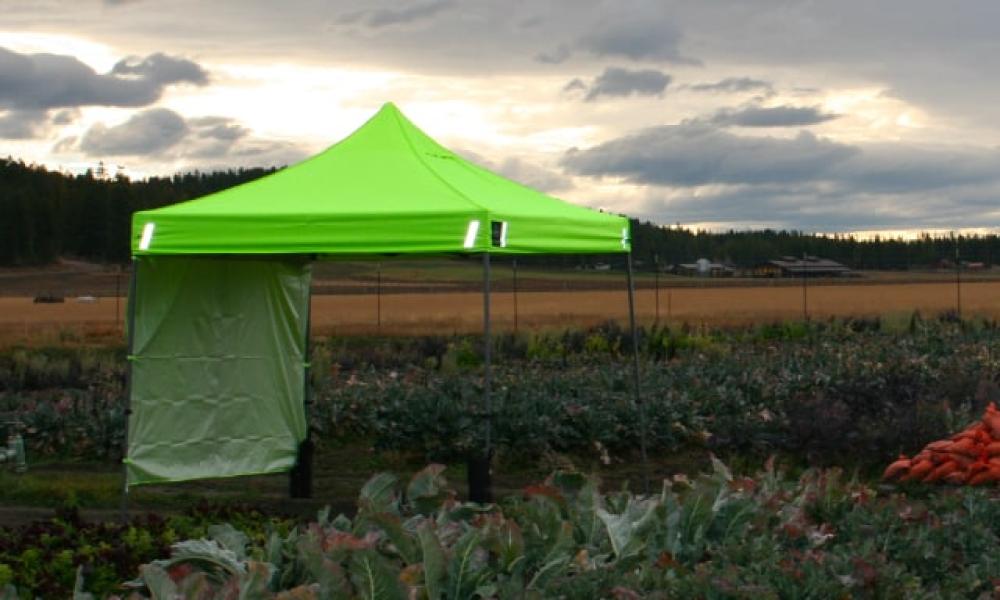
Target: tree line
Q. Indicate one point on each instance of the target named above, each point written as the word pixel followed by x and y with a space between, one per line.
pixel 654 244
pixel 48 214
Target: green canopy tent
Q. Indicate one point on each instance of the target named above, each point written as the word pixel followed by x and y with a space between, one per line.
pixel 219 310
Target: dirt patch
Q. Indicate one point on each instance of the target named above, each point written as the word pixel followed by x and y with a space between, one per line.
pixel 340 470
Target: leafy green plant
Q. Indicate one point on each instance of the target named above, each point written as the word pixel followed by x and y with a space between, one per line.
pixel 718 535
pixel 47 558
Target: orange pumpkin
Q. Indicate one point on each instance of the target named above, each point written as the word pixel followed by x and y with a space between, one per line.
pixel 939 446
pixel 964 446
pixel 918 470
pixel 956 477
pixel 901 466
pixel 940 471
pixel 993 449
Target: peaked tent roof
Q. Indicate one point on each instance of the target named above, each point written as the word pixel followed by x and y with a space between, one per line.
pixel 387 188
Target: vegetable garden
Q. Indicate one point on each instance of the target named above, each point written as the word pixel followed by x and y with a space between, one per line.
pixel 826 398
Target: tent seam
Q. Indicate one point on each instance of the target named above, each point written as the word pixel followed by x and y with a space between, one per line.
pixel 438 176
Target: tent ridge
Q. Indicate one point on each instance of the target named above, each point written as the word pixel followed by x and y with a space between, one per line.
pixel 419 155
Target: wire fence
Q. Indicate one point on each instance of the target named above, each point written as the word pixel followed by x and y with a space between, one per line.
pixel 445 297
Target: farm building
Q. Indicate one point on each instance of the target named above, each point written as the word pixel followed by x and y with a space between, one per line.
pixel 704 268
pixel 767 269
pixel 807 266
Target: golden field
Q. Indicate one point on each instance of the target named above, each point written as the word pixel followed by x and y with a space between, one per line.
pixel 23 321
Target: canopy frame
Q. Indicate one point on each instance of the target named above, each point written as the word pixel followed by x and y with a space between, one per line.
pixel 496 216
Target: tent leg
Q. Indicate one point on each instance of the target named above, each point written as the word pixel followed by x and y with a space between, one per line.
pixel 130 332
pixel 479 465
pixel 640 407
pixel 515 295
pixel 300 478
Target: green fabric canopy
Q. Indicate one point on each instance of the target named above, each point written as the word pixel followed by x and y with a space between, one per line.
pixel 219 309
pixel 387 188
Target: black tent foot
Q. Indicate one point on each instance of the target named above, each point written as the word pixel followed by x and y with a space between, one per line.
pixel 480 479
pixel 300 478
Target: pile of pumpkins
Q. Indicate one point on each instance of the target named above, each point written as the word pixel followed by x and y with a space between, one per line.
pixel 971 457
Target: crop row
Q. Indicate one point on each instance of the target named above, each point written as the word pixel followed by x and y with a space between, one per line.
pixel 716 536
pixel 829 395
pixel 861 398
pixel 27 369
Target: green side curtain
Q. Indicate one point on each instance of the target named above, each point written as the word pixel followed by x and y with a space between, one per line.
pixel 218 367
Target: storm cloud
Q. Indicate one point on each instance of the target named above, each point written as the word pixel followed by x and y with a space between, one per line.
pixel 774 116
pixel 384 17
pixel 522 171
pixel 643 35
pixel 533 176
pixel 620 82
pixel 733 85
pixel 212 141
pixel 804 182
pixel 904 169
pixel 817 207
pixel 638 31
pixel 694 154
pixel 23 124
pixel 46 81
pixel 803 208
pixel 160 69
pixel 148 132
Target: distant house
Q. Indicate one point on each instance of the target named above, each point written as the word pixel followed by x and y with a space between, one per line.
pixel 704 268
pixel 808 266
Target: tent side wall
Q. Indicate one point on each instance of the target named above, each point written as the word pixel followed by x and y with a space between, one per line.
pixel 218 367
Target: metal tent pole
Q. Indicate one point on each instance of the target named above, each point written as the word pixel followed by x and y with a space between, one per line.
pixel 479 465
pixel 515 295
pixel 130 332
pixel 640 407
pixel 487 355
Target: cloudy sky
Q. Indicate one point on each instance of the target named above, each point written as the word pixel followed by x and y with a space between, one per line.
pixel 822 116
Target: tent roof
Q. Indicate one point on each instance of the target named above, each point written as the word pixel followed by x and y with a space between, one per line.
pixel 387 188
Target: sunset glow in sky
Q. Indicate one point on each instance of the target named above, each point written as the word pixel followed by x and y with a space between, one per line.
pixel 828 117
